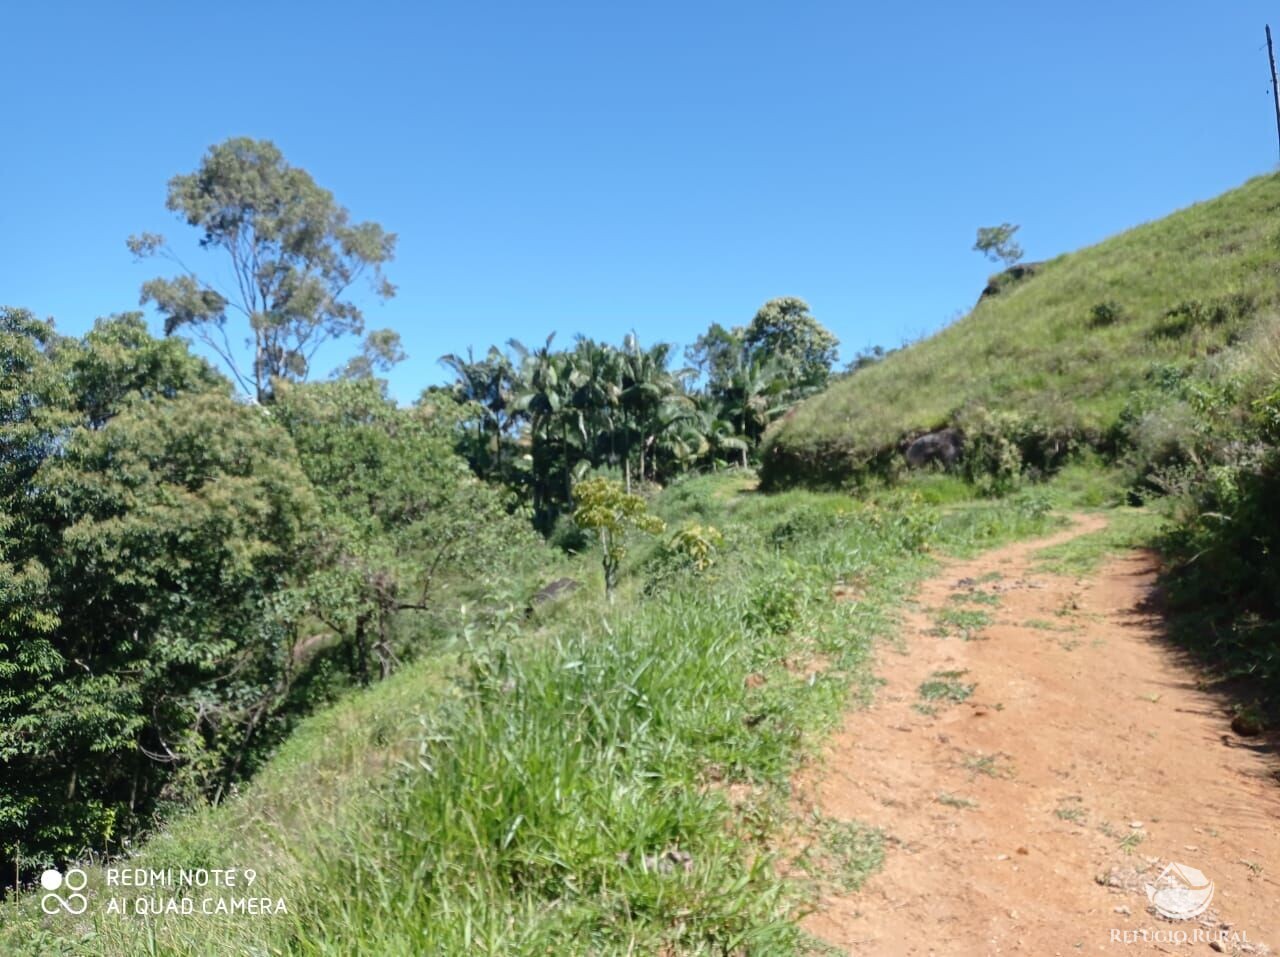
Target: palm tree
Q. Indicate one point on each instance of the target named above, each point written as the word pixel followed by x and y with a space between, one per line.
pixel 753 397
pixel 719 436
pixel 598 397
pixel 653 397
pixel 488 385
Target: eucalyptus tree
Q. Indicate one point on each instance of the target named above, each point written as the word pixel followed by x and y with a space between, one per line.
pixel 997 243
pixel 293 255
pixel 715 354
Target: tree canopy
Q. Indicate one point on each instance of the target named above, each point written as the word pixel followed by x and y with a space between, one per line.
pixel 784 332
pixel 294 255
pixel 996 243
pixel 183 573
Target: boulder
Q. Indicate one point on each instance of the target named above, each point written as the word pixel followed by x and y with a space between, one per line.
pixel 554 590
pixel 1003 280
pixel 944 447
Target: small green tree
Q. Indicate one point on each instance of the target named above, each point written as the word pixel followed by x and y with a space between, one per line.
pixel 996 243
pixel 605 507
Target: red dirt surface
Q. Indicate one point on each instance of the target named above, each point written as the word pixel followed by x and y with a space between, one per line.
pixel 1094 755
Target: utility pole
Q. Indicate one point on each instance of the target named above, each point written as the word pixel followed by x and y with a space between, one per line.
pixel 1275 93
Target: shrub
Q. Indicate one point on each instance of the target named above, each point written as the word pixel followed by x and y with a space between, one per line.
pixel 612 513
pixel 692 550
pixel 1193 313
pixel 1106 313
pixel 569 537
pixel 698 545
pixel 775 606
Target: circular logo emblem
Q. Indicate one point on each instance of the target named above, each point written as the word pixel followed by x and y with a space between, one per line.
pixel 1180 892
pixel 74 881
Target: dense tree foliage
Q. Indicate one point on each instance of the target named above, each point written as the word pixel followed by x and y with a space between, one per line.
pixel 404 518
pixel 539 419
pixel 173 560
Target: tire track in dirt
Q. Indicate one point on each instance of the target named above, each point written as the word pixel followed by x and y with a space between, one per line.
pixel 1091 756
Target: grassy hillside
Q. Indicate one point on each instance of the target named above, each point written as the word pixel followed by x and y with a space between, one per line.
pixel 1061 358
pixel 595 779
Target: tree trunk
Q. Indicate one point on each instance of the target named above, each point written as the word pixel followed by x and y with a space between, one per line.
pixel 568 470
pixel 626 451
pixel 361 648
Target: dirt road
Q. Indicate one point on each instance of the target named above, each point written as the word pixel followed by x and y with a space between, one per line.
pixel 1027 817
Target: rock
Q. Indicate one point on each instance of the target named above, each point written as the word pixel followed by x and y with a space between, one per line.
pixel 1123 909
pixel 1011 276
pixel 668 861
pixel 943 447
pixel 1247 724
pixel 554 590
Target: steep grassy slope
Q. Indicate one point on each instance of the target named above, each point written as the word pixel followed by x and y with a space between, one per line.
pixel 1057 358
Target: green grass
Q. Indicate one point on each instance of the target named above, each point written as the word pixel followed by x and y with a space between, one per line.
pixel 974 597
pixel 946 686
pixel 1127 528
pixel 1184 287
pixel 965 622
pixel 563 783
pixel 841 855
pixel 988 765
pixel 1070 810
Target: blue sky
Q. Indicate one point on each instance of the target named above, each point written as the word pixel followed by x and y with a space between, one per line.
pixel 601 167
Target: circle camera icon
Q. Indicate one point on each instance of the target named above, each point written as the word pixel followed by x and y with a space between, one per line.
pixel 74 880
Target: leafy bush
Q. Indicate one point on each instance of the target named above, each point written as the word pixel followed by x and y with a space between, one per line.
pixel 1223 581
pixel 807 523
pixel 692 550
pixel 1196 313
pixel 1106 313
pixel 699 545
pixel 775 605
pixel 569 537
